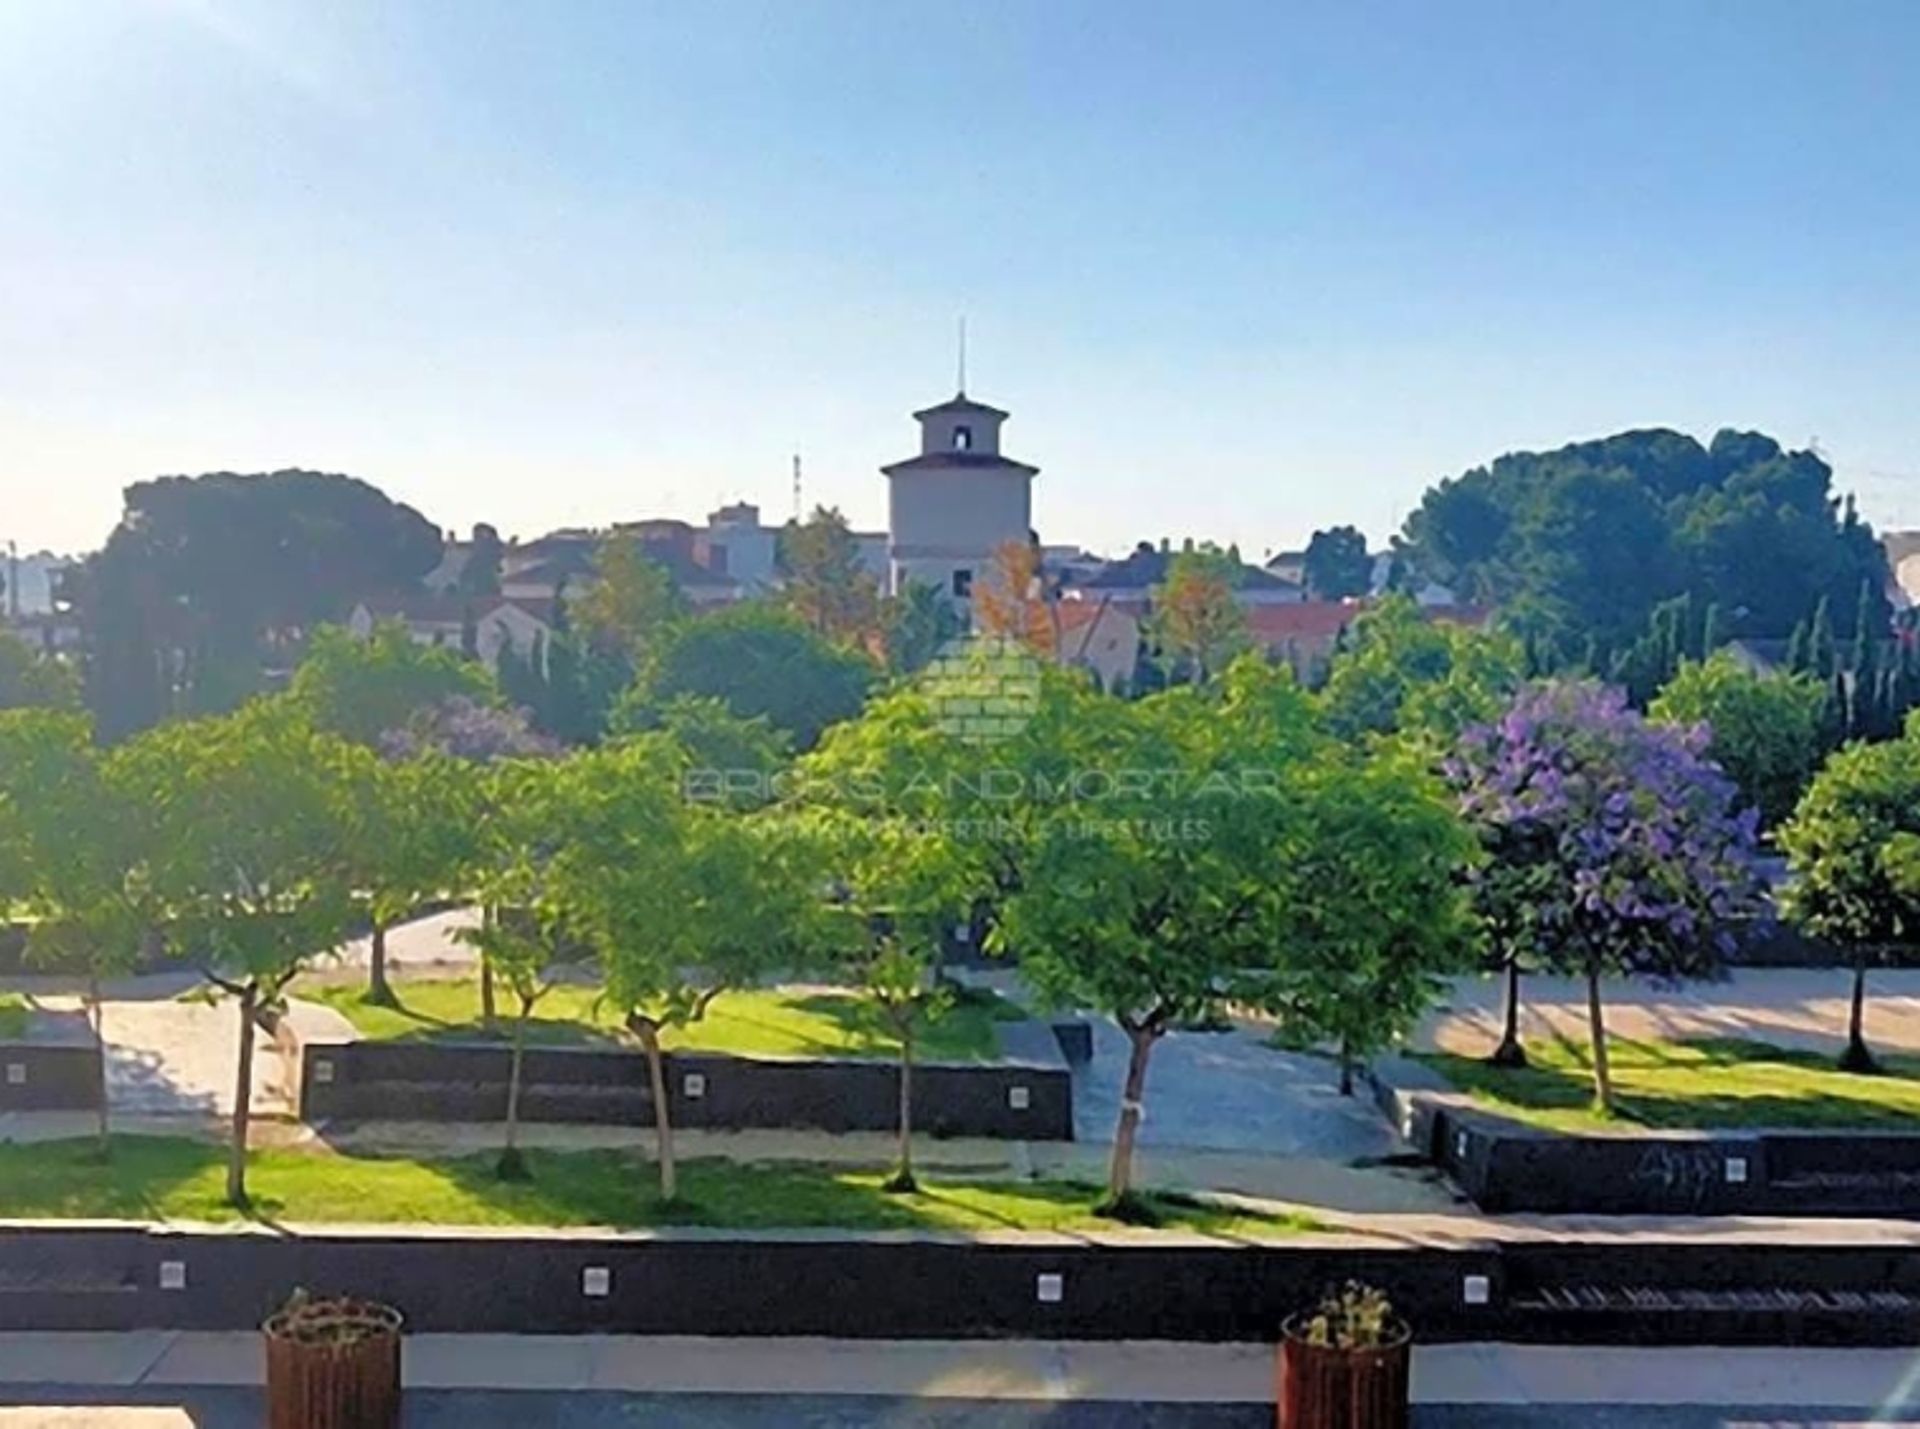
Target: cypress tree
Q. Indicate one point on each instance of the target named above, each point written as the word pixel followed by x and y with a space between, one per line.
pixel 1820 644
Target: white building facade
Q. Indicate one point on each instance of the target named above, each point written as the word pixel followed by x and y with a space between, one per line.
pixel 952 506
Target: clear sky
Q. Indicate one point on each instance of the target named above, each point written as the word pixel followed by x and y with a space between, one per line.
pixel 1238 270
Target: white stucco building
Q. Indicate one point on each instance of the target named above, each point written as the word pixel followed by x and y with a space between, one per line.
pixel 960 499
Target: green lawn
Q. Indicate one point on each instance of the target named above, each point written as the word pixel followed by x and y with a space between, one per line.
pixel 1695 1085
pixel 166 1178
pixel 763 1023
pixel 14 1013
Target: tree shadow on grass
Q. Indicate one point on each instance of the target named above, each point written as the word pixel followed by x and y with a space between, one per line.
pixel 1704 1084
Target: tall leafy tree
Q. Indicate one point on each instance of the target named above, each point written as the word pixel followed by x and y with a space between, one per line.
pixel 825 582
pixel 1366 914
pixel 631 602
pixel 681 900
pixel 70 844
pixel 208 579
pixel 761 663
pixel 248 845
pixel 1196 620
pixel 1640 861
pixel 1854 846
pixel 1337 564
pixel 1147 896
pixel 1765 730
pixel 917 624
pixel 1399 672
pixel 31 680
pixel 1016 600
pixel 362 689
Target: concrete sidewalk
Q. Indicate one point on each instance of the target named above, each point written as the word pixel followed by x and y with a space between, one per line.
pixel 146 1366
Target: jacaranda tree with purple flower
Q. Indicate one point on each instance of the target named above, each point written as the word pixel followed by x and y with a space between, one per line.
pixel 1613 845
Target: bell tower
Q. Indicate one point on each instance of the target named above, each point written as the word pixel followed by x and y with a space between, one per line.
pixel 952 506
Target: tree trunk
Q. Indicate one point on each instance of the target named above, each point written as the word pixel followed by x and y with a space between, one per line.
pixel 662 1112
pixel 489 1013
pixel 97 1012
pixel 1120 1169
pixel 1346 1067
pixel 902 1181
pixel 1858 1057
pixel 1510 1052
pixel 242 1101
pixel 379 990
pixel 1597 1027
pixel 513 1166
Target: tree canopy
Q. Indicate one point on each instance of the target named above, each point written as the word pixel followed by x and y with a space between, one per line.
pixel 1397 671
pixel 1584 541
pixel 1337 565
pixel 31 680
pixel 365 689
pixel 1765 730
pixel 761 663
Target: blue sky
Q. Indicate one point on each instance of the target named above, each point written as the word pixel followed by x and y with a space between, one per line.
pixel 1238 270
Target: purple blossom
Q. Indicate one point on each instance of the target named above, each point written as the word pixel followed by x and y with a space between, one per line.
pixel 1622 833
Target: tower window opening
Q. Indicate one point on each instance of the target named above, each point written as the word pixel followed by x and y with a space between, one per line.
pixel 963 439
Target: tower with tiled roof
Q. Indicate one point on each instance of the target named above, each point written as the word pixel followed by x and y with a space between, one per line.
pixel 959 500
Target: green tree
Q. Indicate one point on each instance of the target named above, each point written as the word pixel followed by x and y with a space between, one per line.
pixel 524 933
pixel 681 900
pixel 1196 620
pixel 760 663
pixel 364 689
pixel 920 621
pixel 413 825
pixel 207 580
pixel 631 604
pixel 1365 905
pixel 247 845
pixel 1150 897
pixel 1764 729
pixel 1853 844
pixel 69 848
pixel 29 680
pixel 901 886
pixel 1337 565
pixel 1400 672
pixel 825 581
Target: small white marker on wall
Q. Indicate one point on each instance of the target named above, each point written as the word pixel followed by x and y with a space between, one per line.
pixel 1476 1290
pixel 694 1086
pixel 1050 1288
pixel 16 1074
pixel 1736 1170
pixel 323 1071
pixel 173 1275
pixel 596 1282
pixel 1019 1098
pixel 1460 1145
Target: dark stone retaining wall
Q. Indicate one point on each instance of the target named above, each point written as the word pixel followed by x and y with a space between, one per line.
pixel 906 1286
pixel 37 1076
pixel 1505 1166
pixel 401 1081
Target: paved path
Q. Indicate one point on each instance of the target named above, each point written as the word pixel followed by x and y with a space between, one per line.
pixel 1229 1091
pixel 1793 1007
pixel 159 1380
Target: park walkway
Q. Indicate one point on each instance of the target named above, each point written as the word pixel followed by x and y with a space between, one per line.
pixel 169 1380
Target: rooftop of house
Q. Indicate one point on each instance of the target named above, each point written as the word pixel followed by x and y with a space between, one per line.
pixel 1147 566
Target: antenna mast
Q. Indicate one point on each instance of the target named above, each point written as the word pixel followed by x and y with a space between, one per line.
pixel 962 389
pixel 798 511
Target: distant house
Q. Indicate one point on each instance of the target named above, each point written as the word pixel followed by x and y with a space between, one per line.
pixel 1129 582
pixel 50 632
pixel 699 560
pixel 498 623
pixel 1303 634
pixel 1100 637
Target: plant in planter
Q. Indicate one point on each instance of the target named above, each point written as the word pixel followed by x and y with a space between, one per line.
pixel 333 1364
pixel 1344 1364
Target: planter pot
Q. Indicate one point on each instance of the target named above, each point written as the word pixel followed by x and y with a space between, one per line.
pixel 333 1364
pixel 1324 1387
